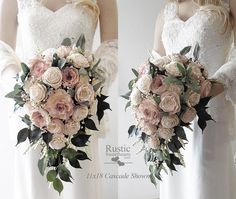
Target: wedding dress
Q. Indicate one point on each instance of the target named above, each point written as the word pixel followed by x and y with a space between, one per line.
pixel 39 28
pixel 210 171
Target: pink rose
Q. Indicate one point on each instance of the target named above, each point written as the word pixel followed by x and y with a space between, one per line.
pixel 37 67
pixel 148 111
pixel 170 102
pixel 70 77
pixel 193 98
pixel 80 113
pixel 39 117
pixel 157 82
pixel 175 88
pixel 56 126
pixel 165 133
pixel 84 93
pixel 205 88
pixel 170 121
pixel 60 105
pixel 148 128
pixel 189 115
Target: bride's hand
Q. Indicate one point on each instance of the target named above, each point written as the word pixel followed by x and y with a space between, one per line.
pixel 216 89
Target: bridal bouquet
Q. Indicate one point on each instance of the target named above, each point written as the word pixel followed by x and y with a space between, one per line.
pixel 166 95
pixel 60 91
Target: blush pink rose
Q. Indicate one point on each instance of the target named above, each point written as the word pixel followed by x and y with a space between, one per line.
pixel 170 121
pixel 70 77
pixel 60 105
pixel 39 117
pixel 143 68
pixel 157 82
pixel 189 115
pixel 63 51
pixel 84 93
pixel 205 88
pixel 165 133
pixel 148 128
pixel 148 111
pixel 170 102
pixel 37 67
pixel 56 126
pixel 178 58
pixel 193 98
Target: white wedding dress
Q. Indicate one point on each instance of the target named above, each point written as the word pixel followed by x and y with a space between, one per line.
pixel 210 171
pixel 39 28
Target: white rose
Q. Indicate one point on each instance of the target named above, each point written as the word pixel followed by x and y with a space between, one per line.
pixel 80 113
pixel 53 77
pixel 28 108
pixel 37 92
pixel 135 97
pixel 78 60
pixel 172 69
pixel 165 133
pixel 72 127
pixel 48 54
pixel 144 83
pixel 170 121
pixel 195 70
pixel 58 141
pixel 63 51
pixel 56 126
pixel 89 56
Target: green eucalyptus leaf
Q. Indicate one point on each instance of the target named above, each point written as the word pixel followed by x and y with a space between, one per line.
pixel 64 173
pixel 185 50
pixel 66 42
pixel 69 153
pixel 58 186
pixel 196 52
pixel 181 69
pixel 22 135
pixel 42 165
pixel 51 175
pixel 135 72
pixel 81 42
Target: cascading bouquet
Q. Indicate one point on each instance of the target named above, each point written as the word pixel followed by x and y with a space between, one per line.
pixel 60 90
pixel 166 95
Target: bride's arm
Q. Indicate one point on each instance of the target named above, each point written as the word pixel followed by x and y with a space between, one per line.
pixel 158 44
pixel 9 64
pixel 107 51
pixel 226 75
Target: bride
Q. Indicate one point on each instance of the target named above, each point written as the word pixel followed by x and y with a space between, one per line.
pixel 30 26
pixel 210 171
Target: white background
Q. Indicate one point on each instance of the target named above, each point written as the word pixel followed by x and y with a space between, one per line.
pixel 136 29
pixel 136 32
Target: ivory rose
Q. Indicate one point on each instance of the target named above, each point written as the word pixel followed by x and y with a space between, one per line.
pixel 53 77
pixel 172 69
pixel 148 128
pixel 80 113
pixel 84 93
pixel 48 55
pixel 195 70
pixel 72 127
pixel 135 97
pixel 78 60
pixel 37 67
pixel 170 121
pixel 161 62
pixel 148 111
pixel 63 51
pixel 205 88
pixel 144 83
pixel 58 141
pixel 39 117
pixel 60 105
pixel 56 126
pixel 143 68
pixel 165 133
pixel 178 58
pixel 37 92
pixel 189 115
pixel 170 102
pixel 193 98
pixel 70 77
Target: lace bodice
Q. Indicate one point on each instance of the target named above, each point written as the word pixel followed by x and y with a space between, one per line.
pixel 40 28
pixel 206 28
